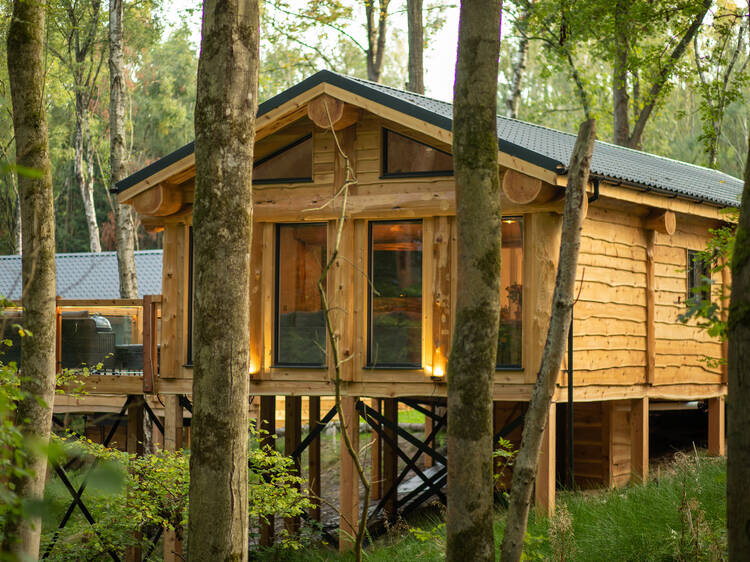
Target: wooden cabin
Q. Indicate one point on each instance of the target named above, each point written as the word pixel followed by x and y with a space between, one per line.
pixel 647 217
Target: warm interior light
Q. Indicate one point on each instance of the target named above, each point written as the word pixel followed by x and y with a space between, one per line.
pixel 438 372
pixel 428 369
pixel 253 367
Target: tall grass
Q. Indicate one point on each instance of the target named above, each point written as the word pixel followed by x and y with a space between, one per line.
pixel 637 523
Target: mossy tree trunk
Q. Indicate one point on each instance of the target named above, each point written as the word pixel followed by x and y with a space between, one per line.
pixel 471 365
pixel 535 420
pixel 125 228
pixel 34 415
pixel 738 414
pixel 224 134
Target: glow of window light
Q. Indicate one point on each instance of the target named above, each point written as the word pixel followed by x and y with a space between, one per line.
pixel 428 369
pixel 438 372
pixel 253 368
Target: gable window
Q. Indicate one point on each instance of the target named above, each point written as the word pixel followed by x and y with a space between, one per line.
pixel 405 157
pixel 300 326
pixel 509 341
pixel 699 278
pixel 395 330
pixel 293 163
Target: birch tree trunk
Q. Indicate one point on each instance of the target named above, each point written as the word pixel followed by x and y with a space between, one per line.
pixel 416 46
pixel 738 414
pixel 518 65
pixel 224 133
pixel 525 465
pixel 79 170
pixel 124 217
pixel 34 415
pixel 471 365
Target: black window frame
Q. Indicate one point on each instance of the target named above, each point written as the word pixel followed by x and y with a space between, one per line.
pixel 278 153
pixel 694 257
pixel 384 174
pixel 519 366
pixel 371 287
pixel 276 307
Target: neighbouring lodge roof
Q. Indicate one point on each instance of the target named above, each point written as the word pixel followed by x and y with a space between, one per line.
pixel 87 275
pixel 544 147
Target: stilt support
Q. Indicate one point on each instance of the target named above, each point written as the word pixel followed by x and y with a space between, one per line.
pixel 376 454
pixel 292 438
pixel 545 477
pixel 349 485
pixel 268 426
pixel 172 442
pixel 135 447
pixel 716 429
pixel 313 458
pixel 390 459
pixel 639 440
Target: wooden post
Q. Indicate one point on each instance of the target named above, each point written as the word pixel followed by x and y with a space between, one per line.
pixel 349 482
pixel 429 423
pixel 172 442
pixel 268 425
pixel 650 307
pixel 545 476
pixel 313 458
pixel 639 440
pixel 376 452
pixel 390 459
pixel 135 447
pixel 716 429
pixel 58 337
pixel 292 438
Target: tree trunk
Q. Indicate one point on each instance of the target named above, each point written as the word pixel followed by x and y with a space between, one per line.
pixel 518 66
pixel 738 414
pixel 471 365
pixel 376 35
pixel 124 218
pixel 416 46
pixel 79 170
pixel 620 75
pixel 34 415
pixel 224 133
pixel 525 465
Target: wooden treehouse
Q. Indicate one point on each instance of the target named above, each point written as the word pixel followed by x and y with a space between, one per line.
pixel 647 218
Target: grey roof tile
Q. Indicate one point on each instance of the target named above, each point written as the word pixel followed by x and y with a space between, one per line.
pixel 539 145
pixel 87 275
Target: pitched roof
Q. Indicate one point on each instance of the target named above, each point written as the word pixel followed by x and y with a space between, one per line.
pixel 544 147
pixel 87 275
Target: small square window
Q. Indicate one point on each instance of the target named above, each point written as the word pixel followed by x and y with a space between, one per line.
pixel 698 277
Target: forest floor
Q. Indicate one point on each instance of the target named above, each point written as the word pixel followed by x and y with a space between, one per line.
pixel 679 515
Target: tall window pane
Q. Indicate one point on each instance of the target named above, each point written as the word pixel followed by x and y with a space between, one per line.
pixel 396 294
pixel 511 279
pixel 300 327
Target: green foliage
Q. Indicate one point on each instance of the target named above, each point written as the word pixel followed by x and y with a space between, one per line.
pixel 129 493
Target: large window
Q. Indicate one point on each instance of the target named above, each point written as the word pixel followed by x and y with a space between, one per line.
pixel 395 294
pixel 300 325
pixel 403 156
pixel 699 278
pixel 511 279
pixel 293 163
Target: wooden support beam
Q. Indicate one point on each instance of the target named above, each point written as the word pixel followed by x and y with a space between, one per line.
pixel 292 438
pixel 639 442
pixel 429 424
pixel 650 307
pixel 172 442
pixel 159 201
pixel 268 427
pixel 664 222
pixel 376 454
pixel 313 458
pixel 545 476
pixel 349 480
pixel 135 447
pixel 390 458
pixel 716 426
pixel 325 110
pixel 522 189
